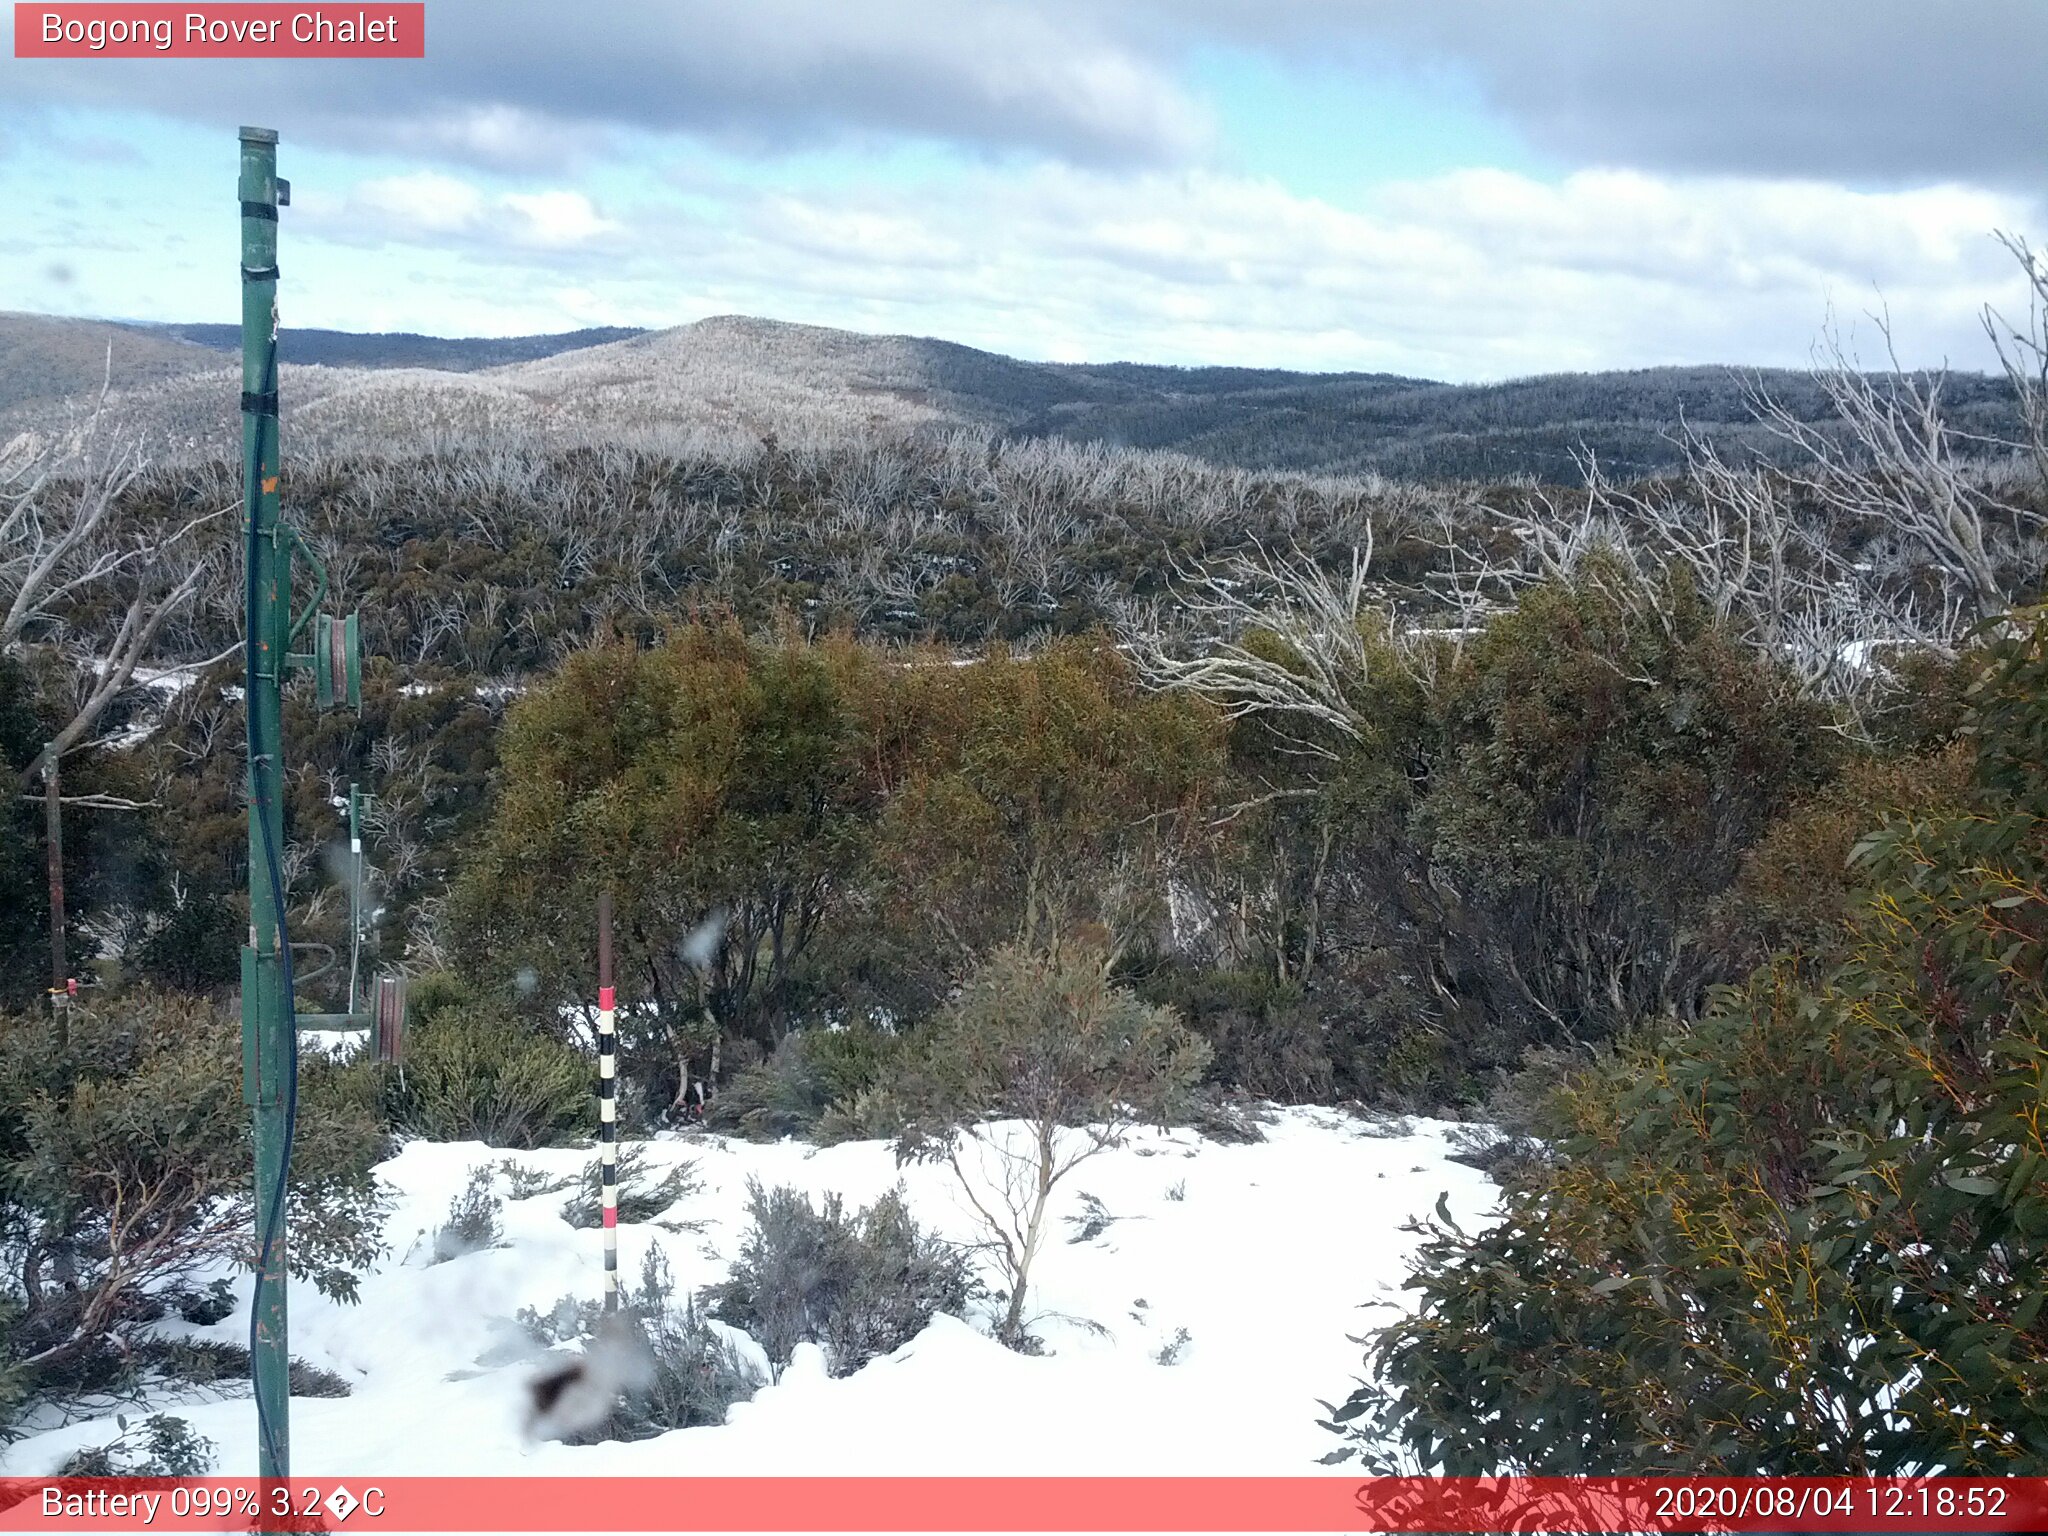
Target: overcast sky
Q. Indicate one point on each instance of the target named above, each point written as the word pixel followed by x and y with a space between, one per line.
pixel 1458 188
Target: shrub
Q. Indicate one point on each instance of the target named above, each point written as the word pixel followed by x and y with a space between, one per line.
pixel 1222 1118
pixel 684 1372
pixel 199 943
pixel 859 1286
pixel 1797 886
pixel 1264 1037
pixel 1607 756
pixel 160 1446
pixel 1045 1039
pixel 811 1074
pixel 714 772
pixel 435 993
pixel 125 1167
pixel 1451 850
pixel 875 1114
pixel 305 1379
pixel 1039 794
pixel 1423 1068
pixel 206 1361
pixel 16 1380
pixel 1092 1220
pixel 529 1183
pixel 473 1219
pixel 642 1197
pixel 475 1075
pixel 206 1307
pixel 1810 1234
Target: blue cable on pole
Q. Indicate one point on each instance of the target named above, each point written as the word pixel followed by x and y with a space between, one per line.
pixel 271 1221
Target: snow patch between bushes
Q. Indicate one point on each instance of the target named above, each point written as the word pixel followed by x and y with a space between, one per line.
pixel 1268 1255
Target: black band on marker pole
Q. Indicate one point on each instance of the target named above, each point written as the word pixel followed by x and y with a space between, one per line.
pixel 607 1101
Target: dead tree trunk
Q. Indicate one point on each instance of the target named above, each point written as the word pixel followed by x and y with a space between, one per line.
pixel 53 827
pixel 53 835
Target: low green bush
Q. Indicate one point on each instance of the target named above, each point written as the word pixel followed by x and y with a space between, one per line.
pixel 668 1368
pixel 642 1196
pixel 162 1445
pixel 475 1219
pixel 126 1170
pixel 859 1286
pixel 472 1074
pixel 812 1074
pixel 203 1362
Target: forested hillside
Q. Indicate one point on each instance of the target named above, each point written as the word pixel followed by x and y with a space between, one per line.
pixel 731 377
pixel 395 349
pixel 44 359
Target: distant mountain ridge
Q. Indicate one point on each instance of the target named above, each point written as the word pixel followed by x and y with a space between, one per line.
pixel 732 380
pixel 398 349
pixel 48 358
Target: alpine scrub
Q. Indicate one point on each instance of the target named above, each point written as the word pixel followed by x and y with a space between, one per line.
pixel 1810 1235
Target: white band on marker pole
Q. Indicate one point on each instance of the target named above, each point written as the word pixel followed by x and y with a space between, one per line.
pixel 607 1101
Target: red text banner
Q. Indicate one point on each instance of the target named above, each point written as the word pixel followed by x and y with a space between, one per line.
pixel 217 31
pixel 1050 1504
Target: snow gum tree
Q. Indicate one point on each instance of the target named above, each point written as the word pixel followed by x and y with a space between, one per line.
pixel 1041 1062
pixel 711 775
pixel 867 823
pixel 1028 795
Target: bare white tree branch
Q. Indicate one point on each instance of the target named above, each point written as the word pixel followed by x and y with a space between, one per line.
pixel 1271 635
pixel 62 546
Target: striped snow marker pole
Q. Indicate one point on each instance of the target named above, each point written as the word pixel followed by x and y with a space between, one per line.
pixel 607 1101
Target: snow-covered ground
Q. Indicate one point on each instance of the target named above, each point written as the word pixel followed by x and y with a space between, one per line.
pixel 1268 1255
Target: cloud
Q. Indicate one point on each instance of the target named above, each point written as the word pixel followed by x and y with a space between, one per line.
pixel 1729 170
pixel 1890 92
pixel 1718 233
pixel 431 208
pixel 557 218
pixel 533 83
pixel 1872 92
pixel 423 203
pixel 1876 92
pixel 1474 274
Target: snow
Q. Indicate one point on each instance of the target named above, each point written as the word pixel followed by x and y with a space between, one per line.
pixel 174 679
pixel 337 1044
pixel 1268 1255
pixel 497 692
pixel 163 683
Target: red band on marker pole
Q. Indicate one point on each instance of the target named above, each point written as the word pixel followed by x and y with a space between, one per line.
pixel 375 30
pixel 607 1102
pixel 1191 1504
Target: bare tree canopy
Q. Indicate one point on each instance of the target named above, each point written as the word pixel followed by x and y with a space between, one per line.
pixel 2023 349
pixel 1887 529
pixel 64 548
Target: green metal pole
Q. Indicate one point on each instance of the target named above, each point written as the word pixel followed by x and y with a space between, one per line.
pixel 355 892
pixel 267 1043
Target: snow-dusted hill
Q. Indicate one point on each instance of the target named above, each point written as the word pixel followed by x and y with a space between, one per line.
pixel 719 385
pixel 1268 1255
